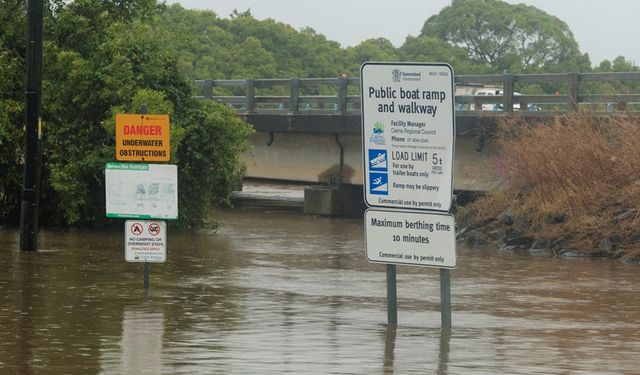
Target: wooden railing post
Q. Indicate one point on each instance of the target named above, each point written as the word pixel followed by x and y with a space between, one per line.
pixel 294 98
pixel 250 95
pixel 574 89
pixel 343 83
pixel 507 92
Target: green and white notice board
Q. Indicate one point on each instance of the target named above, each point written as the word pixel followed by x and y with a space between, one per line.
pixel 141 191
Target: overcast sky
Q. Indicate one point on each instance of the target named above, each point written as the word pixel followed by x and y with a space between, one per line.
pixel 605 29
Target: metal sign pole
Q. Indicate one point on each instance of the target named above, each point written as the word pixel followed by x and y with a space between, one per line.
pixel 392 296
pixel 408 180
pixel 143 110
pixel 146 275
pixel 445 298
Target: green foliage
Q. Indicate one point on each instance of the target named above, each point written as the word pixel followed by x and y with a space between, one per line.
pixel 89 72
pixel 11 139
pixel 379 49
pixel 429 49
pixel 103 58
pixel 517 38
pixel 12 47
pixel 244 47
pixel 12 26
pixel 209 164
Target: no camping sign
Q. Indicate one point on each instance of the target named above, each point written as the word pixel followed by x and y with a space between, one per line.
pixel 145 241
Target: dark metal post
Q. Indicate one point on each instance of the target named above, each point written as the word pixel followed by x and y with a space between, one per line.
pixel 31 180
pixel 574 83
pixel 343 83
pixel 208 89
pixel 445 298
pixel 507 93
pixel 250 95
pixel 146 276
pixel 294 98
pixel 392 295
pixel 145 271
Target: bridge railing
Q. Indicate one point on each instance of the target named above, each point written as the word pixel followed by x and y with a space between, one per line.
pixel 294 101
pixel 561 92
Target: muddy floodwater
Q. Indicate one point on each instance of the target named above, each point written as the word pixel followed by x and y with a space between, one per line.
pixel 276 292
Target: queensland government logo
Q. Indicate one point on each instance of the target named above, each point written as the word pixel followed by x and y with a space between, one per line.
pixel 378 134
pixel 396 74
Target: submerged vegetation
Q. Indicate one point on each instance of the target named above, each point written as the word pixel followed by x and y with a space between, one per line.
pixel 571 187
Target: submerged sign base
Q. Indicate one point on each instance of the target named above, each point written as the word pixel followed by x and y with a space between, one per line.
pixel 410 238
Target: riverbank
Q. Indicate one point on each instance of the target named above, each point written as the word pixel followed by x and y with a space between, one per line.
pixel 572 188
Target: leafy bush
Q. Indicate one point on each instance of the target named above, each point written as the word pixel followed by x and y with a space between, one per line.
pixel 209 160
pixel 11 135
pixel 103 58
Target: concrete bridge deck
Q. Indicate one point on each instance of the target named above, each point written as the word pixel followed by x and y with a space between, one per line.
pixel 305 136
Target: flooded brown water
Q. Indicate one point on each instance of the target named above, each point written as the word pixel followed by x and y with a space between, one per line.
pixel 274 292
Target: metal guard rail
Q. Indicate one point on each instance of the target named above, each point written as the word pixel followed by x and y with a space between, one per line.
pixel 345 100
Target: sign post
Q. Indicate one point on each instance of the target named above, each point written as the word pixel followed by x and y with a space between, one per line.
pixel 408 130
pixel 142 191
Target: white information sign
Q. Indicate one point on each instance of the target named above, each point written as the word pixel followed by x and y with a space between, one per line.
pixel 145 241
pixel 408 130
pixel 410 238
pixel 141 191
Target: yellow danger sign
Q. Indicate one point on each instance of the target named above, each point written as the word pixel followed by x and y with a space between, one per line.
pixel 142 137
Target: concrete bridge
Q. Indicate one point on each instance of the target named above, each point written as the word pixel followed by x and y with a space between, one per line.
pixel 308 130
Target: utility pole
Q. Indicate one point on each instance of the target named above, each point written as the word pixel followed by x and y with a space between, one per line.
pixel 32 159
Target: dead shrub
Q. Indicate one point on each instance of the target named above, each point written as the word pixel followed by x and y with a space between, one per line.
pixel 575 178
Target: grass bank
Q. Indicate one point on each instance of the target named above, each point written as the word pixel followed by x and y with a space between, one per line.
pixel 572 187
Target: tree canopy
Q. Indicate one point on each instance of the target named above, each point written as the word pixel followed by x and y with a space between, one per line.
pixel 517 38
pixel 103 58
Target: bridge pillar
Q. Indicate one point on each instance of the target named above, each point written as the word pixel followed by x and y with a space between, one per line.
pixel 334 200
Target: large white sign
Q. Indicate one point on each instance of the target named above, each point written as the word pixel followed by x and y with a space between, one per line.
pixel 408 135
pixel 141 191
pixel 145 241
pixel 411 238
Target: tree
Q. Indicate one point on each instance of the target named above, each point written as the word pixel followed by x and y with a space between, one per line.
pixel 103 57
pixel 517 38
pixel 619 64
pixel 12 120
pixel 11 134
pixel 251 60
pixel 379 49
pixel 210 164
pixel 429 49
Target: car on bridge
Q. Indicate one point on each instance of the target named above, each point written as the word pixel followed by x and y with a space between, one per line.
pixel 499 106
